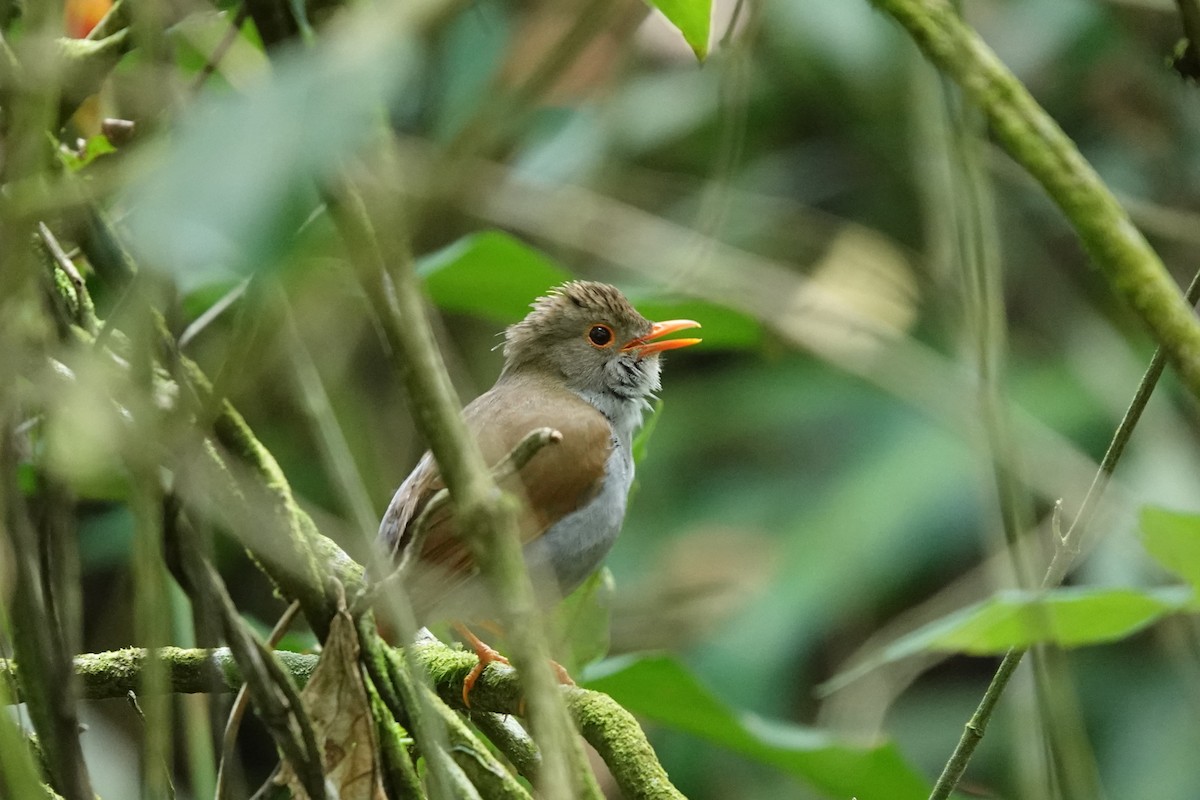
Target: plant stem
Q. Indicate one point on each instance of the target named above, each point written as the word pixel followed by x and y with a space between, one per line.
pixel 1064 555
pixel 487 519
pixel 1034 140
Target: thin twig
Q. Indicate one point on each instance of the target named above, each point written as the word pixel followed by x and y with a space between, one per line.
pixel 1065 550
pixel 727 37
pixel 505 468
pixel 508 466
pixel 1132 268
pixel 392 676
pixel 271 688
pixel 60 256
pixel 487 519
pixel 211 313
pixel 168 784
pixel 50 701
pixel 1070 542
pixel 240 703
pixel 334 449
pixel 214 58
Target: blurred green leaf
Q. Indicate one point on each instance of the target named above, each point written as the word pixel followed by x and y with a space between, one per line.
pixel 495 276
pixel 243 61
pixel 1067 617
pixel 472 51
pixel 27 478
pixel 692 18
pixel 490 275
pixel 222 200
pixel 660 689
pixel 582 622
pixel 1173 538
pixel 641 442
pixel 1071 617
pixel 20 769
pixel 92 149
pixel 865 522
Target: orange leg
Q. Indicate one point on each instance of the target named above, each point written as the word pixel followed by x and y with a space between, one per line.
pixel 561 673
pixel 487 655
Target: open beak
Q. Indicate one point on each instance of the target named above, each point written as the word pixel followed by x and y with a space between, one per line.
pixel 645 346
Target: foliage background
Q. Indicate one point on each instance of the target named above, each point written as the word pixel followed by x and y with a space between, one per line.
pixel 794 510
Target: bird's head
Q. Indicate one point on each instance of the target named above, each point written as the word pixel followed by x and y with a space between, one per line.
pixel 590 337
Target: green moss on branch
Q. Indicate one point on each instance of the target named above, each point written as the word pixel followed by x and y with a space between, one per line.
pixel 608 727
pixel 118 672
pixel 1036 141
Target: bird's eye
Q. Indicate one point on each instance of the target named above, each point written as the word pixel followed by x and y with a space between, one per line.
pixel 600 335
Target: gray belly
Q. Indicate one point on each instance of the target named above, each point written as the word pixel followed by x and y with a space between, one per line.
pixel 574 547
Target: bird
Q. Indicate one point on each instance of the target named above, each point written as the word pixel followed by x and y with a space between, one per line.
pixel 584 363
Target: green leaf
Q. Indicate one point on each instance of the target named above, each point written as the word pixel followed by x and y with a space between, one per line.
pixel 660 689
pixel 27 478
pixel 93 148
pixel 496 276
pixel 582 622
pixel 22 775
pixel 1066 617
pixel 693 19
pixel 1071 617
pixel 490 275
pixel 236 181
pixel 641 442
pixel 1173 538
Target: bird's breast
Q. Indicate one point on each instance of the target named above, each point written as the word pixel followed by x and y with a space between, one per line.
pixel 574 547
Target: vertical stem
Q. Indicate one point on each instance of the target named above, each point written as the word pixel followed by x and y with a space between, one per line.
pixel 19 774
pixel 1034 140
pixel 47 678
pixel 1131 266
pixel 195 716
pixel 487 519
pixel 1059 565
pixel 29 93
pixel 151 607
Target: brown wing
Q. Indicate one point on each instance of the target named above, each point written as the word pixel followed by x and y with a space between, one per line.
pixel 557 480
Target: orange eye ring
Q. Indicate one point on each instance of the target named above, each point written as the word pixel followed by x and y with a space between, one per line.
pixel 600 336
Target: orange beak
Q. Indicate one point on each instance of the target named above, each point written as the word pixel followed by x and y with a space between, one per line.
pixel 645 347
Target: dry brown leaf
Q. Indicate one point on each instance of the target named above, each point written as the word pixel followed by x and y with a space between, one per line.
pixel 340 713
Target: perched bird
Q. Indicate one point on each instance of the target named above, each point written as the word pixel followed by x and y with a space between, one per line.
pixel 583 362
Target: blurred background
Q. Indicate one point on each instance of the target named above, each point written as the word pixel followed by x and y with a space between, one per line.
pixel 872 275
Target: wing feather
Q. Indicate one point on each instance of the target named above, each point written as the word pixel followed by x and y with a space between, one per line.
pixel 559 479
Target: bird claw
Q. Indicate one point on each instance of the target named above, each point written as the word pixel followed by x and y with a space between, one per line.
pixel 561 673
pixel 486 655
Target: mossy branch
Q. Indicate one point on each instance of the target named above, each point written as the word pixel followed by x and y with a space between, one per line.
pixel 1036 142
pixel 608 727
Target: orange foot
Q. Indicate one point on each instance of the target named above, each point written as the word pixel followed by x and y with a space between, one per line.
pixel 488 654
pixel 561 673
